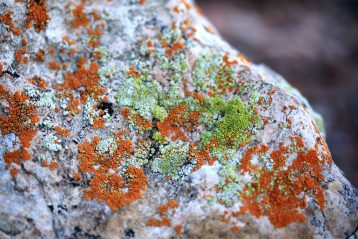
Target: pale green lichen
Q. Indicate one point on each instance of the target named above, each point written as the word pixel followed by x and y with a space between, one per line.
pixel 51 143
pixel 171 159
pixel 206 69
pixel 107 145
pixel 42 98
pixel 139 95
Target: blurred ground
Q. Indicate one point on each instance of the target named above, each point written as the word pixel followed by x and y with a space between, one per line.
pixel 314 45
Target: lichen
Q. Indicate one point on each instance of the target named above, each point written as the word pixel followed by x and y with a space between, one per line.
pixel 171 160
pixel 233 128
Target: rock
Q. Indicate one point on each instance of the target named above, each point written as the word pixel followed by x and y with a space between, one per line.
pixel 134 119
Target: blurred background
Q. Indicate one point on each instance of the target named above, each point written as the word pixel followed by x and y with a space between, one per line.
pixel 314 45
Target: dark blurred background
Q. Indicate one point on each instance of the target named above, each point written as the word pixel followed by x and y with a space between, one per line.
pixel 314 45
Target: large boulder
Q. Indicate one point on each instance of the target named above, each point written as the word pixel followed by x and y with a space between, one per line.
pixel 134 119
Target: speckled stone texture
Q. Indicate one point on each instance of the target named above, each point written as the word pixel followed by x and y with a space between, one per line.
pixel 134 119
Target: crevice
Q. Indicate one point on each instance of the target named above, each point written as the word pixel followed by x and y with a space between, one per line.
pixel 353 233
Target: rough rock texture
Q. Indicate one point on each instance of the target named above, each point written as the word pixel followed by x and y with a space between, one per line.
pixel 134 119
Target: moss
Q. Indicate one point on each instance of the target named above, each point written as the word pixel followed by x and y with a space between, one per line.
pixel 233 128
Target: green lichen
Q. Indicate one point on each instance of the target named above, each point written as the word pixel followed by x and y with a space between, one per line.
pixel 205 70
pixel 107 145
pixel 139 95
pixel 159 113
pixel 171 160
pixel 233 128
pixel 157 136
pixel 51 143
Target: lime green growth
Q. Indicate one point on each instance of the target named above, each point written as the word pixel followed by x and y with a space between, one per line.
pixel 171 160
pixel 157 136
pixel 159 113
pixel 234 126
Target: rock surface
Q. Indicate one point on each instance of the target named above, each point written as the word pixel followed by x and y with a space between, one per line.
pixel 134 119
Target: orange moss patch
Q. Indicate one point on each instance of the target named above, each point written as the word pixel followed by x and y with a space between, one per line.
pixel 171 204
pixel 40 55
pixel 52 50
pixel 178 228
pixel 142 123
pixel 94 35
pixel 20 119
pixel 7 20
pixel 53 166
pixel 280 192
pixel 164 211
pixel 37 14
pixel 114 189
pixel 14 172
pixel 19 54
pixel 162 222
pixel 177 124
pixel 62 131
pixel 98 122
pixel 79 16
pixel 87 78
pixel 39 82
pixel 133 72
pixel 1 70
pixel 52 65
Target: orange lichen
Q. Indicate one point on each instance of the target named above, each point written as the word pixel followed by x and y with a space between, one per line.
pixel 39 82
pixel 141 122
pixel 200 156
pixel 176 9
pixel 96 15
pixel 98 122
pixel 1 70
pixel 52 50
pixel 77 176
pixel 141 1
pixel 53 166
pixel 62 131
pixel 14 172
pixel 280 192
pixel 227 62
pixel 164 211
pixel 178 228
pixel 37 13
pixel 19 54
pixel 40 55
pixel 176 124
pixel 114 189
pixel 79 16
pixel 87 78
pixel 171 204
pixel 133 72
pixel 20 119
pixel 52 65
pixel 162 222
pixel 7 20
